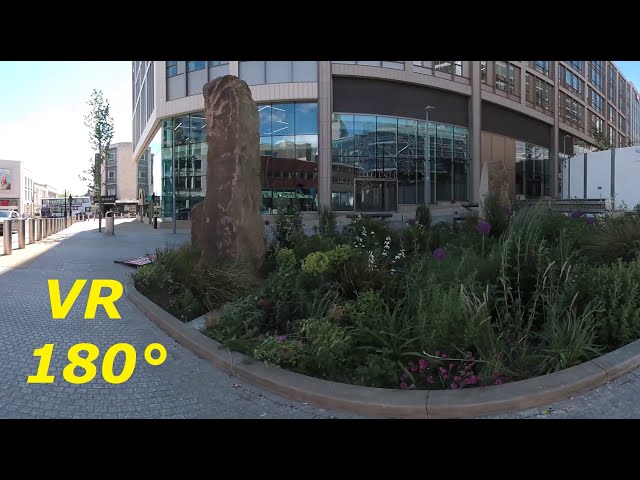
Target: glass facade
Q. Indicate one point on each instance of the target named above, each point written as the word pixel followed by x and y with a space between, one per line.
pixel 184 149
pixel 378 162
pixel 289 155
pixel 533 170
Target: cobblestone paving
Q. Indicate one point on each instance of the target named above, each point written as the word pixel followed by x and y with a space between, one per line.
pixel 184 386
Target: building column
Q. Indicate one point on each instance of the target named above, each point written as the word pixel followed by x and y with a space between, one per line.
pixel 475 129
pixel 325 103
pixel 554 151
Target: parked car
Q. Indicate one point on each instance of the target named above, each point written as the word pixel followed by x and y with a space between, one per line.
pixel 8 215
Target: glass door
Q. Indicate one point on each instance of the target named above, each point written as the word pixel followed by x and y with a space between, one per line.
pixel 376 195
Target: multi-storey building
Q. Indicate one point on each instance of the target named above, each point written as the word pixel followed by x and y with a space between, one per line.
pixel 353 134
pixel 16 187
pixel 120 179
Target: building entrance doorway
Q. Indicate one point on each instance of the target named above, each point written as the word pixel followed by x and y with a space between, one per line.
pixel 379 195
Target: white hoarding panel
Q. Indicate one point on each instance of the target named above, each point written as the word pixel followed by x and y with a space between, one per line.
pixel 599 174
pixel 576 177
pixel 627 177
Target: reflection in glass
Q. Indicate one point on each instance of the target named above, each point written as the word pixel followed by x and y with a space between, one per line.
pixel 306 118
pixel 282 119
pixel 197 132
pixel 394 148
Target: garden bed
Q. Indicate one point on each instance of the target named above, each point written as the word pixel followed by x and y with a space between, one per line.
pixel 515 296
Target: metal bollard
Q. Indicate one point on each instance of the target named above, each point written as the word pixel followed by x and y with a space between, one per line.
pixel 155 222
pixel 6 237
pixel 32 230
pixel 21 232
pixel 39 229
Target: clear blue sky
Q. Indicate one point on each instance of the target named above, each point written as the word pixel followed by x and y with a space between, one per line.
pixel 42 105
pixel 42 108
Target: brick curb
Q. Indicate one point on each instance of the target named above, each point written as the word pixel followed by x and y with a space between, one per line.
pixel 380 402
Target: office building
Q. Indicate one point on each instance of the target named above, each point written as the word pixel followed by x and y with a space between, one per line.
pixel 353 135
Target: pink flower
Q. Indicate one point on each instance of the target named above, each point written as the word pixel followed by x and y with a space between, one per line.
pixel 443 370
pixel 403 385
pixel 404 377
pixel 444 355
pixel 429 379
pixel 282 338
pixel 456 379
pixel 423 364
pixel 437 354
pixel 473 380
pixel 453 386
pixel 414 368
pixel 445 376
pixel 498 382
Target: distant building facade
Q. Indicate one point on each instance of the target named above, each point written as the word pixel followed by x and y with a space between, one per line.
pixel 119 176
pixel 16 187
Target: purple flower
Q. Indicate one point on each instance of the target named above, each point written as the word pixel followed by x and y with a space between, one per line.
pixel 457 378
pixel 498 382
pixel 430 379
pixel 404 377
pixel 439 254
pixel 412 221
pixel 282 338
pixel 590 220
pixel 267 223
pixel 422 363
pixel 453 386
pixel 444 355
pixel 445 376
pixel 577 214
pixel 483 228
pixel 403 385
pixel 473 380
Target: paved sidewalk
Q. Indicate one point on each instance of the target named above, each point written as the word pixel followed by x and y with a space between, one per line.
pixel 184 386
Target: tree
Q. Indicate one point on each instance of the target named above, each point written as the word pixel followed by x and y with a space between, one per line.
pixel 602 141
pixel 100 124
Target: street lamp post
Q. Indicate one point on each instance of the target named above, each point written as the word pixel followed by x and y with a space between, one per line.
pixel 427 154
pixel 65 207
pixel 70 205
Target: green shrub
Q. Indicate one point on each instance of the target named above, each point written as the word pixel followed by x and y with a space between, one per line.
pixel 617 238
pixel 423 215
pixel 368 232
pixel 617 287
pixel 340 255
pixel 288 223
pixel 184 284
pixel 316 263
pixel 326 347
pixel 378 369
pixel 279 350
pixel 327 224
pixel 239 323
pixel 303 245
pixel 496 213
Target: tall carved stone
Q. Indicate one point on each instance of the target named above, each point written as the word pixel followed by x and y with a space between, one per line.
pixel 227 223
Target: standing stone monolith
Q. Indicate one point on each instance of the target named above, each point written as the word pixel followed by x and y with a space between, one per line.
pixel 227 224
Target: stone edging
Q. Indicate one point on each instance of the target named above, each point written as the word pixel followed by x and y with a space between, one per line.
pixel 379 402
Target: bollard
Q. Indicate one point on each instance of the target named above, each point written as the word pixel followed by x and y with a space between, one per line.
pixel 44 231
pixel 109 225
pixel 6 237
pixel 155 222
pixel 21 232
pixel 32 230
pixel 39 229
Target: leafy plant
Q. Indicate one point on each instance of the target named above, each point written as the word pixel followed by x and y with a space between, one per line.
pixel 327 223
pixel 184 284
pixel 423 215
pixel 618 238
